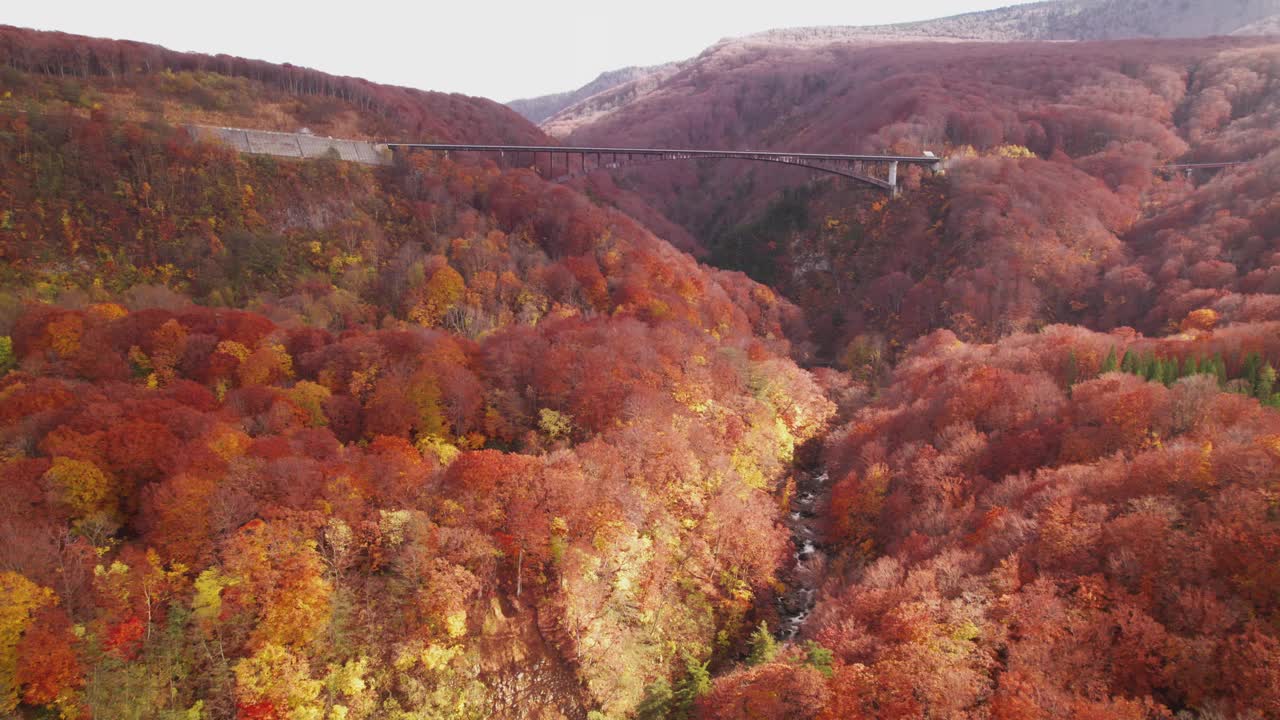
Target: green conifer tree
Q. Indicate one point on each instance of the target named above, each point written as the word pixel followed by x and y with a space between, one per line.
pixel 1110 364
pixel 695 683
pixel 1249 369
pixel 1128 362
pixel 1190 366
pixel 763 646
pixel 656 704
pixel 819 657
pixel 1265 388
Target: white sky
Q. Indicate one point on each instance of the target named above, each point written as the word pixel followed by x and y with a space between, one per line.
pixel 502 49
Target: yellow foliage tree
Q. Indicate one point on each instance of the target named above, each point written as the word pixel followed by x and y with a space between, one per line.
pixel 1013 152
pixel 1202 320
pixel 7 359
pixel 84 489
pixel 276 676
pixel 107 311
pixel 554 423
pixel 206 604
pixel 234 349
pixel 19 599
pixel 280 569
pixel 300 607
pixel 438 295
pixel 442 450
pixel 266 365
pixel 424 392
pixel 310 397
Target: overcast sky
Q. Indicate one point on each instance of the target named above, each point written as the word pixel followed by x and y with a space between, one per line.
pixel 502 49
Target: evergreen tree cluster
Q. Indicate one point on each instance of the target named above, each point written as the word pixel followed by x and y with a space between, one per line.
pixel 1256 377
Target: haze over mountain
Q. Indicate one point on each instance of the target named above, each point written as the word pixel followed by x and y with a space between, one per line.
pixel 1060 20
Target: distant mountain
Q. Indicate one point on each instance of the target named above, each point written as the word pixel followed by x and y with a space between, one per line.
pixel 537 109
pixel 1265 26
pixel 1062 20
pixel 599 104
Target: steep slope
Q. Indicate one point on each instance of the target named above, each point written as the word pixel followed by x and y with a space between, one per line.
pixel 1061 504
pixel 1064 524
pixel 286 439
pixel 1053 147
pixel 1055 20
pixel 225 90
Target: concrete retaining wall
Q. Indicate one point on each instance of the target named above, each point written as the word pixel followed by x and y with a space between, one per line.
pixel 293 145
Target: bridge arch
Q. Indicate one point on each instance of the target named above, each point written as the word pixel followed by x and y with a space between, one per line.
pixel 860 168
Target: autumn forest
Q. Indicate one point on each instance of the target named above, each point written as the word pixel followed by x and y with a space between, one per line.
pixel 314 440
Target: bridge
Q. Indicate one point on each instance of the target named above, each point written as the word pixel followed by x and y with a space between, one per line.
pixel 880 171
pixel 1189 168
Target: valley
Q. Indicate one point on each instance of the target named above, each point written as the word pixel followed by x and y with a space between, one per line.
pixel 297 427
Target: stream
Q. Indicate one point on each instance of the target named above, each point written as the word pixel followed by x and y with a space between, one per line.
pixel 809 560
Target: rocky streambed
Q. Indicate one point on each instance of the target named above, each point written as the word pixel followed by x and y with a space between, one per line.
pixel 809 560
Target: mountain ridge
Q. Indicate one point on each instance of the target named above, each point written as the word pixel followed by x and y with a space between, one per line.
pixel 538 108
pixel 1058 20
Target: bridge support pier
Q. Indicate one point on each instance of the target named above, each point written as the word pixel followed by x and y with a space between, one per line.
pixel 893 178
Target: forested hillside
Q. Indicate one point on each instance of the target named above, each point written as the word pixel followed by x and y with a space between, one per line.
pixel 1052 489
pixel 1056 20
pixel 140 81
pixel 311 440
pixel 1067 524
pixel 317 440
pixel 1052 209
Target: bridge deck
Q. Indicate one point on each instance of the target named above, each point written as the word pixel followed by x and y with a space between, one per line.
pixel 675 152
pixel 1206 165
